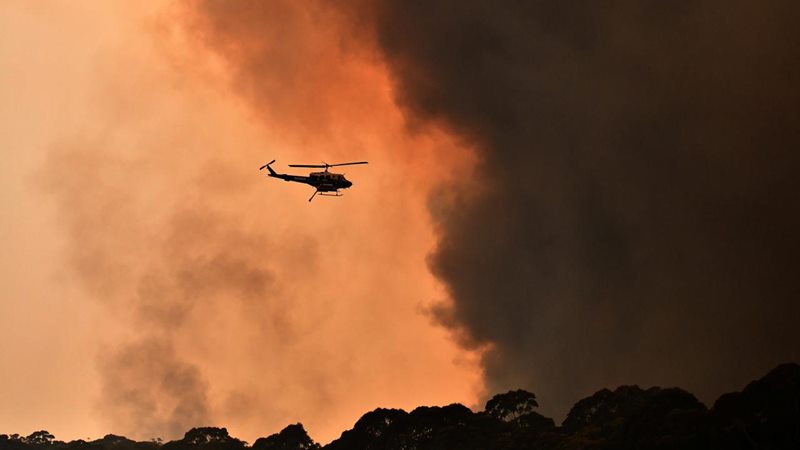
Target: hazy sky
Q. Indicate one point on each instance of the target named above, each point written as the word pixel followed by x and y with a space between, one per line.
pixel 561 197
pixel 154 280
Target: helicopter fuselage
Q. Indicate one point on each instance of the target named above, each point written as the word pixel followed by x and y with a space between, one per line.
pixel 322 181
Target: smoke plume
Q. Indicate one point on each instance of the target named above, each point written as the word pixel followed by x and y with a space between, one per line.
pixel 227 298
pixel 637 203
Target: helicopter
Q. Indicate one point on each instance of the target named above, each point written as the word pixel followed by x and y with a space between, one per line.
pixel 326 183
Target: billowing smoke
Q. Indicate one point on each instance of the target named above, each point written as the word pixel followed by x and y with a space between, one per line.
pixel 148 387
pixel 635 211
pixel 631 218
pixel 228 299
pixel 170 269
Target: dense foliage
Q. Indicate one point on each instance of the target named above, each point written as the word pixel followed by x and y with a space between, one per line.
pixel 765 415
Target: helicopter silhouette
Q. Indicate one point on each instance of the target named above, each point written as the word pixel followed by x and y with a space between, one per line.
pixel 324 182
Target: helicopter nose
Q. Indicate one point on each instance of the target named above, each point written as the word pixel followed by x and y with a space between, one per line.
pixel 347 183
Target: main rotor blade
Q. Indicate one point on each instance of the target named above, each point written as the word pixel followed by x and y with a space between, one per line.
pixel 348 164
pixel 323 166
pixel 316 166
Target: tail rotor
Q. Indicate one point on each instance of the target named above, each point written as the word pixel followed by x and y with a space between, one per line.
pixel 266 165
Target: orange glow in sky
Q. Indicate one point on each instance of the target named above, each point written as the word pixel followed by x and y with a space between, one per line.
pixel 150 267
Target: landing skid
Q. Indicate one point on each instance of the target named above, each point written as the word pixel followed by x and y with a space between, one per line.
pixel 325 194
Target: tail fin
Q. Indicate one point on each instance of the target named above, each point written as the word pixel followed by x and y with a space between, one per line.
pixel 267 165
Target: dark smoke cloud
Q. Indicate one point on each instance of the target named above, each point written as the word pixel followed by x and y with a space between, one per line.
pixel 634 216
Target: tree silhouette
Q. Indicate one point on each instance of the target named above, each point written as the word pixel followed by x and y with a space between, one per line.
pixel 518 408
pixel 765 415
pixel 206 435
pixel 207 438
pixel 512 405
pixel 41 437
pixel 293 437
pixel 767 411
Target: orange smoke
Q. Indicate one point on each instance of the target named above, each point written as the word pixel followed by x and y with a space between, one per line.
pixel 229 299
